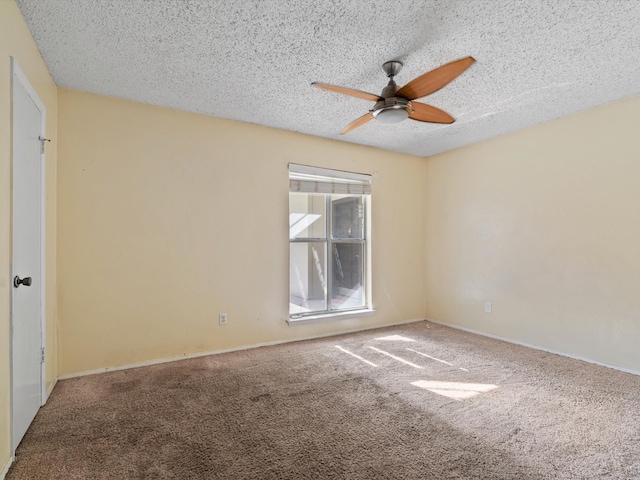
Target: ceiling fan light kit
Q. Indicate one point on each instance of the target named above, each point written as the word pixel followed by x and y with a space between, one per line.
pixel 395 114
pixel 391 110
pixel 395 104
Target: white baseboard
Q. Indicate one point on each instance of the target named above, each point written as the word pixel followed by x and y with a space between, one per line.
pixel 235 349
pixel 49 390
pixel 4 471
pixel 536 347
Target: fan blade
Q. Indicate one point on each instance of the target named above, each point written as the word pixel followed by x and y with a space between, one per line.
pixel 360 121
pixel 435 79
pixel 348 91
pixel 426 113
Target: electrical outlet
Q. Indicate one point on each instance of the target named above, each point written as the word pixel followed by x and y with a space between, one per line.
pixel 223 319
pixel 487 307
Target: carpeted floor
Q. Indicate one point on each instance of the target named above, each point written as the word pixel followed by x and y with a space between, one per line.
pixel 419 401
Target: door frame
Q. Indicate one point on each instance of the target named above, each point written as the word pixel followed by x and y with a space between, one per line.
pixel 17 75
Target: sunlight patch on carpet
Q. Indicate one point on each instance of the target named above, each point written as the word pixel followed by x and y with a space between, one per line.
pixel 396 338
pixel 429 356
pixel 355 356
pixel 395 357
pixel 436 359
pixel 455 390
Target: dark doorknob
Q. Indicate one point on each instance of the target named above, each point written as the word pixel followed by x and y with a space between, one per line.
pixel 17 281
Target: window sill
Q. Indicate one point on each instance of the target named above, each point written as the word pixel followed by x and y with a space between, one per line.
pixel 365 312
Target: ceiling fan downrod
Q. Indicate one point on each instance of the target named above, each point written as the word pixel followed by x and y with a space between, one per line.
pixel 391 109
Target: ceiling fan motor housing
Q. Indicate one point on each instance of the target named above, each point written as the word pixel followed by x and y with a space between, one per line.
pixel 391 110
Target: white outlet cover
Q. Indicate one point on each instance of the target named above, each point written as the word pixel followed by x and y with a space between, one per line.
pixel 487 307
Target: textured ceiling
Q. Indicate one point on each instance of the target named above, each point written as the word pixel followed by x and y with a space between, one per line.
pixel 254 60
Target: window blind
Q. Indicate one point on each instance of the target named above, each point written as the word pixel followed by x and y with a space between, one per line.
pixel 322 180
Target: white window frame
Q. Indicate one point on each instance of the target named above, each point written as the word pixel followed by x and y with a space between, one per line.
pixel 314 180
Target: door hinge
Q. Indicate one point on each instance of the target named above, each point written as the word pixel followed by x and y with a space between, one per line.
pixel 42 140
pixel 42 355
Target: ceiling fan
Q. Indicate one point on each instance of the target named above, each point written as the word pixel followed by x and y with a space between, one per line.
pixel 396 104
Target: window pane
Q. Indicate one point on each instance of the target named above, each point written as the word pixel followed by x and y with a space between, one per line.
pixel 348 276
pixel 347 216
pixel 306 216
pixel 307 277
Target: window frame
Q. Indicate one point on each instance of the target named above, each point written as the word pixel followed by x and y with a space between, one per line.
pixel 358 241
pixel 330 242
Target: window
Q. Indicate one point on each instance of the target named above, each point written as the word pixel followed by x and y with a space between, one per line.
pixel 328 241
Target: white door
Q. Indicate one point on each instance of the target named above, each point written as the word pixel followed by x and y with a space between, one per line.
pixel 27 292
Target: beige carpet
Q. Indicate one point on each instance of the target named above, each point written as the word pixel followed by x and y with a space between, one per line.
pixel 419 401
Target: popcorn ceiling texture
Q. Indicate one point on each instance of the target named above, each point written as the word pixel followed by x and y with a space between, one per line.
pixel 254 61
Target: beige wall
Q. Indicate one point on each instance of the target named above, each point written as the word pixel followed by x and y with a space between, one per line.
pixel 16 41
pixel 545 224
pixel 168 218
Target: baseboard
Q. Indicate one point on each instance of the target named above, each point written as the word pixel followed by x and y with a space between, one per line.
pixel 5 470
pixel 228 350
pixel 50 389
pixel 536 347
